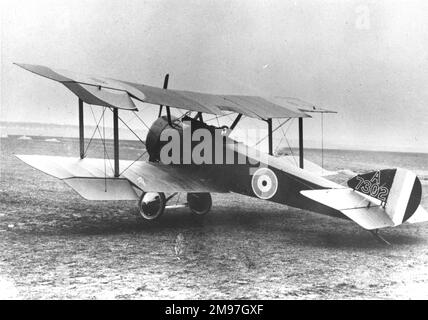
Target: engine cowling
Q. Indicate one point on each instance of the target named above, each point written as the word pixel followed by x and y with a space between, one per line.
pixel 161 127
pixel 153 142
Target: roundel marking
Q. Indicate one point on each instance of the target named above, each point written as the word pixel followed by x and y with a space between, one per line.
pixel 264 183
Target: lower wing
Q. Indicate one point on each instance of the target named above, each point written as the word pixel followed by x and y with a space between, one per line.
pixel 94 179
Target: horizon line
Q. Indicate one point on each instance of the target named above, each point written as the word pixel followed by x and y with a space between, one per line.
pixel 334 145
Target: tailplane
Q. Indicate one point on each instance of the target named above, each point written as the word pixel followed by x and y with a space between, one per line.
pixel 378 199
pixel 399 191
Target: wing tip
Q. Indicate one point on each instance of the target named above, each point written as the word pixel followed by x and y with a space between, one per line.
pixel 25 66
pixel 19 64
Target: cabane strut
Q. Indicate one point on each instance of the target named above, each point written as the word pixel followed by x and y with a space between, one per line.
pixel 168 111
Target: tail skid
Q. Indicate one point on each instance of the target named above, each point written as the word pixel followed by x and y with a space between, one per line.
pixel 378 237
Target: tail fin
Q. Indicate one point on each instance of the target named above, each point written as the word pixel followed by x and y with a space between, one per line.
pixel 399 191
pixel 379 199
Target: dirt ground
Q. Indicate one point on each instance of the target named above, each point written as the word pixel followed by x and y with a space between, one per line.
pixel 54 244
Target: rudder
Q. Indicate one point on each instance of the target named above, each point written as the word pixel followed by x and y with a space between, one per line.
pixel 399 191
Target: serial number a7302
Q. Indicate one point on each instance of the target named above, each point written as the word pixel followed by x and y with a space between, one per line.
pixel 236 309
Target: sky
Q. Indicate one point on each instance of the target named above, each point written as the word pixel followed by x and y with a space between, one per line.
pixel 368 60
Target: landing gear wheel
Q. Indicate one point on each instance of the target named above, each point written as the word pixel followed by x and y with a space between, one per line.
pixel 151 205
pixel 199 203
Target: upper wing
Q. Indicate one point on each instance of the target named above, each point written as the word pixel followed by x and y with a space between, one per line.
pixel 94 179
pixel 304 106
pixel 115 93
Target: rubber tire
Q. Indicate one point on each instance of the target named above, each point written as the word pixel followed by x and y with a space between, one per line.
pixel 191 199
pixel 160 211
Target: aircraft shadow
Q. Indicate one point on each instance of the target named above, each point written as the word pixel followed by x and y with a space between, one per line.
pixel 291 226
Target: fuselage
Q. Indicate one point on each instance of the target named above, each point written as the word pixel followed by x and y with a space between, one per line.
pixel 230 163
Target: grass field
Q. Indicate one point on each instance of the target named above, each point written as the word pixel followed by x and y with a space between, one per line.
pixel 54 244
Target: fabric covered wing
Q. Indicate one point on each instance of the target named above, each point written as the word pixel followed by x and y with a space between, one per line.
pixel 367 213
pixel 94 179
pixel 303 106
pixel 102 97
pixel 164 178
pixel 103 188
pixel 115 93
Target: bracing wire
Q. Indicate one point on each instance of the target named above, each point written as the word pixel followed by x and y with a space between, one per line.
pixel 93 134
pixel 102 140
pixel 289 147
pixel 258 142
pixel 181 113
pixel 284 135
pixel 133 162
pixel 184 114
pixel 104 137
pixel 138 137
pixel 141 120
pixel 131 118
pixel 218 117
pixel 228 116
pixel 131 130
pixel 282 138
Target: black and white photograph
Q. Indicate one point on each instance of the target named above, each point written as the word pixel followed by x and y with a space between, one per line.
pixel 215 150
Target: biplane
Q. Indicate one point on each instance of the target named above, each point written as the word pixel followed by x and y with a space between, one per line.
pixel 373 200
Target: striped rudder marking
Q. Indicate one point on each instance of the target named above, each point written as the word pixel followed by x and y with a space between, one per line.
pixel 399 191
pixel 413 203
pixel 405 196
